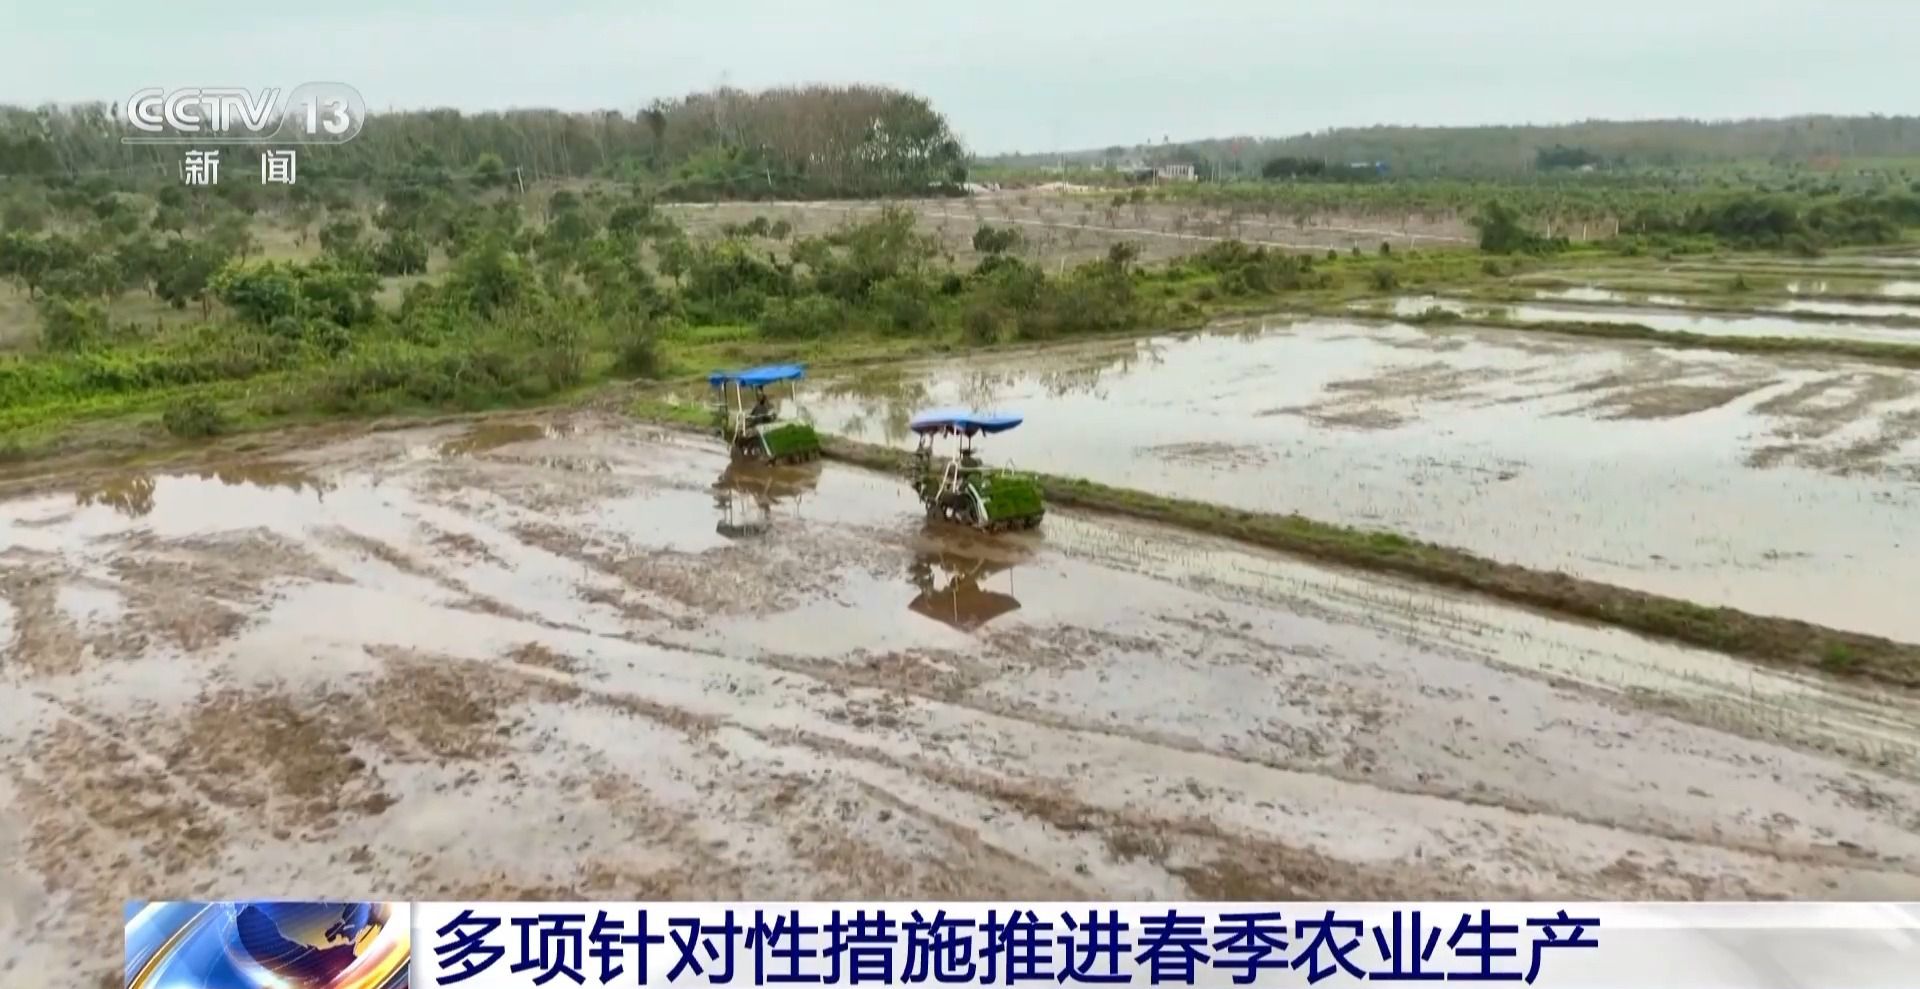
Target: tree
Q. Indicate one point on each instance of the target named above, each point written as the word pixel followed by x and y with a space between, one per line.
pixel 991 240
pixel 300 219
pixel 186 271
pixel 567 232
pixel 170 219
pixel 561 202
pixel 489 172
pixel 24 259
pixel 630 220
pixel 1562 157
pixel 139 259
pixel 1289 167
pixel 403 208
pixel 489 278
pixel 341 236
pixel 676 256
pixel 258 293
pixel 23 215
pixel 1500 229
pixel 31 261
pixel 339 293
pixel 402 253
pixel 232 237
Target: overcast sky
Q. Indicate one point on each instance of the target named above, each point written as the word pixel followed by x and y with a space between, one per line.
pixel 1028 75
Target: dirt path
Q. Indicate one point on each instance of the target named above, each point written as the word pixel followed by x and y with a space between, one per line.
pixel 554 659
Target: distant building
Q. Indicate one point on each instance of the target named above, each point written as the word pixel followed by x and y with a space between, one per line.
pixel 1176 173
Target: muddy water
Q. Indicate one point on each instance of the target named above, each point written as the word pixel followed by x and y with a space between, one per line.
pixel 1709 324
pixel 1847 307
pixel 1783 487
pixel 543 663
pixel 1585 293
pixel 1808 301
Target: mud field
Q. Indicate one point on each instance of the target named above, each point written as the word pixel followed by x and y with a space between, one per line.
pixel 1780 323
pixel 1778 485
pixel 1803 296
pixel 556 659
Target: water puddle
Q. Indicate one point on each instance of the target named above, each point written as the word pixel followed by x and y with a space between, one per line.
pixel 489 436
pixel 132 494
pixel 1849 307
pixel 1707 324
pixel 1901 289
pixel 1585 293
pixel 962 590
pixel 748 496
pixel 1865 261
pixel 1611 462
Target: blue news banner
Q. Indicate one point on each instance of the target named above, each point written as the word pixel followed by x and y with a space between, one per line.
pixel 1588 946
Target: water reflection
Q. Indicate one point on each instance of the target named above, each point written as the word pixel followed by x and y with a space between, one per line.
pixel 493 435
pixel 132 494
pixel 128 494
pixel 746 493
pixel 950 589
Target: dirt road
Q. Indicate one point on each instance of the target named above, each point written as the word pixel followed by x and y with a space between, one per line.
pixel 551 659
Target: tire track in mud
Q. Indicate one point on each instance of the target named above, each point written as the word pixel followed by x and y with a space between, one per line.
pixel 1137 834
pixel 840 681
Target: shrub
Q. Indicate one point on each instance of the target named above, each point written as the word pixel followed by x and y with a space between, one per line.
pixel 194 418
pixel 804 317
pixel 402 253
pixel 906 302
pixel 1803 245
pixel 71 324
pixel 636 348
pixel 983 321
pixel 1385 279
pixel 995 240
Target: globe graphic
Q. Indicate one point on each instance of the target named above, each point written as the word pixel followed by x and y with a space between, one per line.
pixel 303 945
pixel 185 944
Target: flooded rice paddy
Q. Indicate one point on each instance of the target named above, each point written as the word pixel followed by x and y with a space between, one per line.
pixel 1669 321
pixel 1806 297
pixel 1777 485
pixel 577 659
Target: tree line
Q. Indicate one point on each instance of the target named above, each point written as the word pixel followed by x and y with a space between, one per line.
pixel 814 141
pixel 1496 151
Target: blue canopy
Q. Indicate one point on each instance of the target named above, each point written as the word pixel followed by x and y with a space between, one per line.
pixel 963 421
pixel 758 377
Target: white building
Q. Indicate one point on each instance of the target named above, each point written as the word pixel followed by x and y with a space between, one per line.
pixel 1175 173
